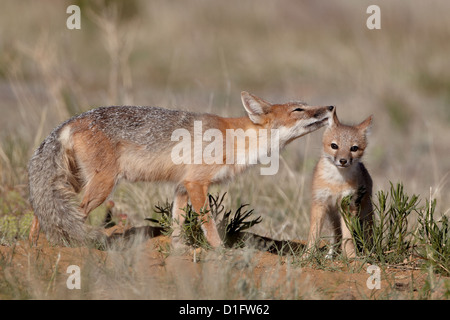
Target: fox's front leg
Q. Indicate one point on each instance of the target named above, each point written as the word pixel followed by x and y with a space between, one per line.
pixel 178 215
pixel 318 212
pixel 198 194
pixel 348 247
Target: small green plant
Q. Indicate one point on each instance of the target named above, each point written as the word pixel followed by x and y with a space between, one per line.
pixel 230 226
pixel 434 239
pixel 393 240
pixel 192 231
pixel 163 217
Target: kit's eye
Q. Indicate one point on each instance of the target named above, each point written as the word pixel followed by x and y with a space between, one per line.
pixel 354 149
pixel 334 146
pixel 299 109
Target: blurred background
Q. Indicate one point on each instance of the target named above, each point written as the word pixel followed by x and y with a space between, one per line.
pixel 199 55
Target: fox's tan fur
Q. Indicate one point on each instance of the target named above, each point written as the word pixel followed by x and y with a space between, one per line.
pixel 90 153
pixel 340 173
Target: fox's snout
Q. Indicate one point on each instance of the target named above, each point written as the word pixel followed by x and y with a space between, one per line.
pixel 341 158
pixel 343 162
pixel 323 112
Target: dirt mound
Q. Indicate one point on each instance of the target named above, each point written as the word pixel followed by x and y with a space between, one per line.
pixel 151 269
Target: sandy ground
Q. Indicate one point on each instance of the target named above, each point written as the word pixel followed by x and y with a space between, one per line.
pixel 150 270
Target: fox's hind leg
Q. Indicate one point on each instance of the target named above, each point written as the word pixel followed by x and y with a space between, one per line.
pixel 96 191
pixel 198 194
pixel 336 232
pixel 98 166
pixel 366 217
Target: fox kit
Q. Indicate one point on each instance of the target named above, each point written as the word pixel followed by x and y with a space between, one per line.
pixel 340 173
pixel 89 153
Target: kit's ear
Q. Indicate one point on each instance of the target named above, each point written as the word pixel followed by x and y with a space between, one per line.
pixel 333 121
pixel 366 125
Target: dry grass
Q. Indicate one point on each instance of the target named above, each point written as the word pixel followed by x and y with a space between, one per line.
pixel 200 55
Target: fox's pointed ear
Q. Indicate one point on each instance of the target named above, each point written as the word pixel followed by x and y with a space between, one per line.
pixel 366 125
pixel 255 107
pixel 333 121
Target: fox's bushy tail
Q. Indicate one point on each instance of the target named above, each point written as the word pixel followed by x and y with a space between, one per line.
pixel 53 184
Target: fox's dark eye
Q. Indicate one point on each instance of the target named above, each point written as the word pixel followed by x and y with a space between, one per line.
pixel 299 109
pixel 334 146
pixel 354 149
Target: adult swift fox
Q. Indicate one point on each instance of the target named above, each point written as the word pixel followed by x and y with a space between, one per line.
pixel 341 173
pixel 91 152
